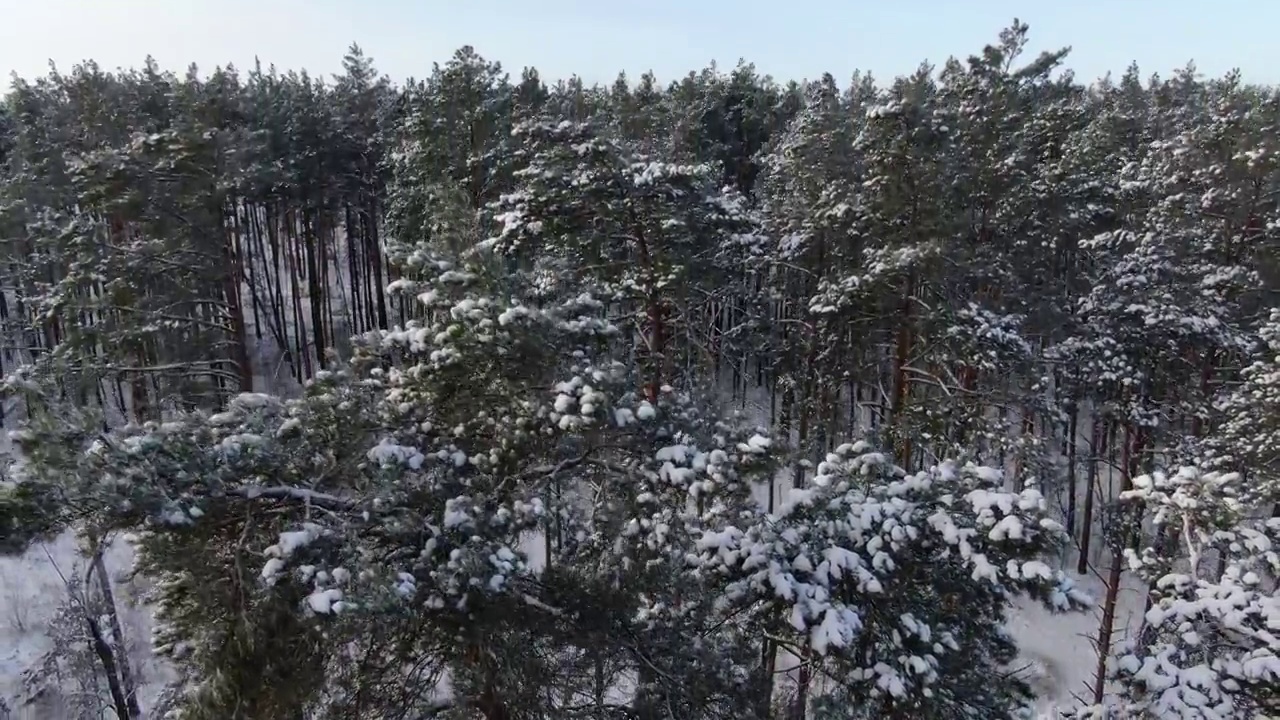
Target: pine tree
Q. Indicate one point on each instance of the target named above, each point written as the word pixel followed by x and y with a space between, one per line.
pixel 839 576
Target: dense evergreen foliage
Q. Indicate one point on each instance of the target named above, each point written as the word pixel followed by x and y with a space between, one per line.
pixel 488 397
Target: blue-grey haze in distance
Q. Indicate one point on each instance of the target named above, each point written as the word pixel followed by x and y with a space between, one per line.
pixel 791 39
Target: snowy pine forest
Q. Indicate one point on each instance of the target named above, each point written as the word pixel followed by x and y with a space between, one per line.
pixel 492 396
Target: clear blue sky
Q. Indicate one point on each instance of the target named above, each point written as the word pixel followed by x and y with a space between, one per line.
pixel 595 39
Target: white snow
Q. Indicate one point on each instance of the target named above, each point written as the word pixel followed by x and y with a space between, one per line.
pixel 1056 647
pixel 323 602
pixel 31 589
pixel 291 541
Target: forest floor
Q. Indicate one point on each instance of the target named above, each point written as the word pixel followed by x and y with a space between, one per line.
pixel 32 588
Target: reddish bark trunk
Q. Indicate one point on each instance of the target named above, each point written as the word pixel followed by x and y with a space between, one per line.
pixel 900 381
pixel 1130 453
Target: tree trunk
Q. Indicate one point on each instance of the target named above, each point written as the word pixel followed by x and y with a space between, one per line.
pixel 768 662
pixel 375 251
pixel 248 250
pixel 653 313
pixel 232 272
pixel 120 680
pixel 801 706
pixel 353 277
pixel 903 353
pixel 127 681
pixel 105 656
pixel 1096 432
pixel 492 706
pixel 1072 427
pixel 315 292
pixel 279 268
pixel 295 267
pixel 1129 459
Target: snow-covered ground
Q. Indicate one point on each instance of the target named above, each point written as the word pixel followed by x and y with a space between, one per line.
pixel 31 590
pixel 1058 649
